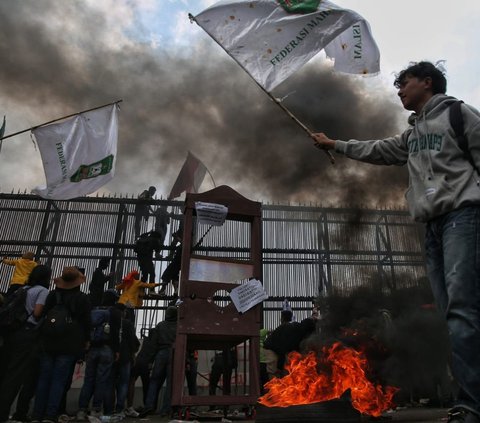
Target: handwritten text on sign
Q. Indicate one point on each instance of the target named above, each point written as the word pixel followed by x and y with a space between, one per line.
pixel 248 295
pixel 211 213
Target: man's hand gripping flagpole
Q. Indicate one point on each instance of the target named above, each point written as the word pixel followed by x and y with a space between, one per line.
pixel 323 142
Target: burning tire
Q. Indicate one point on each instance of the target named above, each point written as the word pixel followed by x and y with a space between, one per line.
pixel 334 411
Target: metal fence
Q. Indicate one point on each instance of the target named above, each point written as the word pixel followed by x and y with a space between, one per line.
pixel 307 251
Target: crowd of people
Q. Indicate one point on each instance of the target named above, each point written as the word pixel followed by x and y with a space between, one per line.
pixel 64 327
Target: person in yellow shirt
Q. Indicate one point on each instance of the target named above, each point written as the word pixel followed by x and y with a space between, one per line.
pixel 23 267
pixel 133 291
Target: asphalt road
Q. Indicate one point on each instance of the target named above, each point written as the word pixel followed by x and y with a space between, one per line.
pixel 401 415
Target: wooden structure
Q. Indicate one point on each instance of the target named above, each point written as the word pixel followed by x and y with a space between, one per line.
pixel 208 273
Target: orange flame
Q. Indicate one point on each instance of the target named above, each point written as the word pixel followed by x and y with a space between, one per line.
pixel 304 385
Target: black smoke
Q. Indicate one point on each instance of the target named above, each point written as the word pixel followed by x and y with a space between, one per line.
pixel 402 334
pixel 55 61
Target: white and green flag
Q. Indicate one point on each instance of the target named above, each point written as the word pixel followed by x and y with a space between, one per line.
pixel 78 154
pixel 272 39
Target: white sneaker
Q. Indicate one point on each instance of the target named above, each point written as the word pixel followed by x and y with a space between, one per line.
pixel 131 412
pixel 111 418
pixel 96 413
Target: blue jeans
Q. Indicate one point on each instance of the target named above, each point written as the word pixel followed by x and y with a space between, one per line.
pixel 161 371
pixel 21 366
pixel 452 247
pixel 119 378
pixel 54 374
pixel 97 374
pixel 121 385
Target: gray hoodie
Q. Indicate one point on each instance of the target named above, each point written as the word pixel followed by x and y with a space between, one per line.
pixel 441 179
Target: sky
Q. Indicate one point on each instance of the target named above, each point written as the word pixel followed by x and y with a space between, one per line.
pixel 181 92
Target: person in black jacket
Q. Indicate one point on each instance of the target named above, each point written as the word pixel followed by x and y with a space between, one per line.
pixel 121 370
pixel 162 219
pixel 224 362
pixel 61 351
pixel 145 246
pixel 164 338
pixel 172 271
pixel 287 337
pixel 143 208
pixel 99 280
pixel 103 353
pixel 141 369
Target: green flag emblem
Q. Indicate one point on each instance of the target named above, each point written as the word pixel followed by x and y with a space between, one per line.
pixel 93 170
pixel 300 6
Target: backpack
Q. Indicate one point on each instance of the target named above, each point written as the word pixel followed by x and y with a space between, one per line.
pixel 456 121
pixel 59 319
pixel 13 313
pixel 100 332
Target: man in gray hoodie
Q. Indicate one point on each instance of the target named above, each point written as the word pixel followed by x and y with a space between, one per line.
pixel 444 193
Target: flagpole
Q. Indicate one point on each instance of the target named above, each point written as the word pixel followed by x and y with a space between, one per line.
pixel 275 100
pixel 56 120
pixel 213 180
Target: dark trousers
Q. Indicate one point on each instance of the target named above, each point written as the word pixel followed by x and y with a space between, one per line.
pixel 21 372
pixel 98 368
pixel 63 403
pixel 117 387
pixel 161 372
pixel 147 268
pixel 191 375
pixel 141 369
pixel 263 377
pixel 222 366
pixel 54 374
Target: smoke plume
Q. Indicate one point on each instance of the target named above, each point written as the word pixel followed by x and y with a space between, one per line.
pixel 403 336
pixel 59 58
